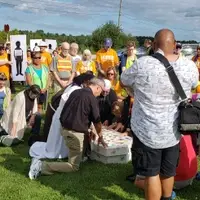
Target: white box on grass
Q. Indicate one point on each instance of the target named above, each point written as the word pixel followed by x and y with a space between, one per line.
pixel 121 159
pixel 118 150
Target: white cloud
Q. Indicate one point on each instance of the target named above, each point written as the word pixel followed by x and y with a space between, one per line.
pixel 49 6
pixel 182 16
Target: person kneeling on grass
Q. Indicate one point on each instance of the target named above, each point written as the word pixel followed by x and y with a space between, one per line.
pixel 21 112
pixel 80 110
pixel 55 146
pixel 186 170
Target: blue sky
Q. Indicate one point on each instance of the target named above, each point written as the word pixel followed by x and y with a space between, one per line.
pixel 139 17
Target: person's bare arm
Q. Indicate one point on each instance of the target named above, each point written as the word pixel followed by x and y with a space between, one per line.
pixel 47 85
pixel 28 79
pixel 98 127
pixel 97 121
pixel 5 62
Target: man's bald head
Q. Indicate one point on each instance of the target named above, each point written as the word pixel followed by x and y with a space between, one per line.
pixel 65 48
pixel 165 40
pixel 65 45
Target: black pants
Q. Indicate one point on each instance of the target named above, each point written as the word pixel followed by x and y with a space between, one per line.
pixel 19 66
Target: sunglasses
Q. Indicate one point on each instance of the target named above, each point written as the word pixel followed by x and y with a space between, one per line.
pixel 3 79
pixel 37 58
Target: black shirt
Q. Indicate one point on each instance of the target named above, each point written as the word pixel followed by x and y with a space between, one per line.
pixel 80 110
pixel 105 106
pixel 29 103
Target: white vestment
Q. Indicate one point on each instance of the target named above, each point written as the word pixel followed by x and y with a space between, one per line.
pixel 55 146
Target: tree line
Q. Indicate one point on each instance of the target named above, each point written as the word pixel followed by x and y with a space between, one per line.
pixel 92 42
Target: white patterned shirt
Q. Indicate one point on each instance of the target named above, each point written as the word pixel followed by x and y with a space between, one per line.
pixel 155 113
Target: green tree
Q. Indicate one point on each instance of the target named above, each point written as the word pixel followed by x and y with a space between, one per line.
pixel 110 30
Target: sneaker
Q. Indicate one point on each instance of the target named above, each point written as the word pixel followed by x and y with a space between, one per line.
pixel 173 195
pixel 35 168
pixel 84 159
pixel 7 140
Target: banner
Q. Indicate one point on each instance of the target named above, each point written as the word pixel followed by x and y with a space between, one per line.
pixel 18 56
pixel 34 43
pixel 52 45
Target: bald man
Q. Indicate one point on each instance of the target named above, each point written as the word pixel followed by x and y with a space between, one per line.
pixel 74 48
pixel 154 119
pixel 63 68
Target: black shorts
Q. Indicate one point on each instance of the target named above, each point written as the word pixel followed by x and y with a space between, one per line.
pixel 151 162
pixel 42 98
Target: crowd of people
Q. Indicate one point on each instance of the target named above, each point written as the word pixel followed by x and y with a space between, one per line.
pixel 131 95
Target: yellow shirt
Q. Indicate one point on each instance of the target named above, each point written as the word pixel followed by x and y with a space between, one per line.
pixel 197 62
pixel 107 59
pixel 5 68
pixel 29 60
pixel 46 58
pixel 81 67
pixel 119 90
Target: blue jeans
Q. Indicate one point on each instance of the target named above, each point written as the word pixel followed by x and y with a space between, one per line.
pixel 36 125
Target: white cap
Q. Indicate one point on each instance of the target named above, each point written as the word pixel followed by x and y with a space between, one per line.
pixel 36 49
pixel 107 84
pixel 42 44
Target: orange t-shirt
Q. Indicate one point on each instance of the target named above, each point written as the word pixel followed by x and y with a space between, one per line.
pixel 5 68
pixel 46 58
pixel 107 59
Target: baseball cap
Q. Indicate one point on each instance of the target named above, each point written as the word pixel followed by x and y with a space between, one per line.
pixel 99 82
pixel 107 84
pixel 108 42
pixel 42 44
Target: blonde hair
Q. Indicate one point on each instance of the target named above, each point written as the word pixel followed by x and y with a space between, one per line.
pixel 114 82
pixel 112 69
pixel 74 45
pixel 87 52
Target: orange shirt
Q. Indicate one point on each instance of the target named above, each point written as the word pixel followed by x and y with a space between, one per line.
pixel 46 58
pixel 5 68
pixel 107 58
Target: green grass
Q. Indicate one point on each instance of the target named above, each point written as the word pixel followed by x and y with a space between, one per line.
pixel 94 181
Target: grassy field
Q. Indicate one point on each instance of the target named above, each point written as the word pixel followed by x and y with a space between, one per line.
pixel 94 181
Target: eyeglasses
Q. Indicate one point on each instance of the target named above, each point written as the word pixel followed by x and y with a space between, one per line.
pixel 37 58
